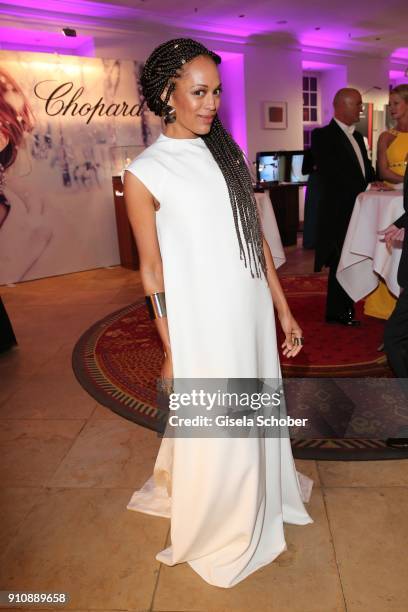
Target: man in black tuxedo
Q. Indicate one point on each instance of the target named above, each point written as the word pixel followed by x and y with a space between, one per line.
pixel 396 328
pixel 344 171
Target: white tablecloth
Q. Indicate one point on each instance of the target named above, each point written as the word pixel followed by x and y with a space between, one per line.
pixel 270 228
pixel 364 256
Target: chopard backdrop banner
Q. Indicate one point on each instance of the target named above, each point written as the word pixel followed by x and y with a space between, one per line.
pixel 67 125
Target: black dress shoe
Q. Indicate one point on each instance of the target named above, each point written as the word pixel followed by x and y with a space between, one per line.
pixel 397 442
pixel 344 320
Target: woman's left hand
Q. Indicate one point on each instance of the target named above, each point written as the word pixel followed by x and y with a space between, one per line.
pixel 292 332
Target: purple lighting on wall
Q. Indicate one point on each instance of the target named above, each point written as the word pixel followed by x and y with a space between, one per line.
pixel 401 52
pixel 73 7
pixel 396 74
pixel 318 66
pixel 44 41
pixel 397 77
pixel 233 108
pixel 84 11
pixel 327 38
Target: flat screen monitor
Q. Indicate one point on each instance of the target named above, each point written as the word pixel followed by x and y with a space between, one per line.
pixel 280 167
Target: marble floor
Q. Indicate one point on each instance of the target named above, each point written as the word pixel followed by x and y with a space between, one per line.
pixel 69 467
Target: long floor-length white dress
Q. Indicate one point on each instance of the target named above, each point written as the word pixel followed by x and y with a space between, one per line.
pixel 227 497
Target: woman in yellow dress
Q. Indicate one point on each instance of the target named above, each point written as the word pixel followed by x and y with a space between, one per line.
pixel 392 156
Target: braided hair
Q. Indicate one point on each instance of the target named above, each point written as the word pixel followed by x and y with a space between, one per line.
pixel 161 69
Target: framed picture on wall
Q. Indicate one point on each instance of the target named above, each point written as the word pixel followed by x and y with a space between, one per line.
pixel 275 115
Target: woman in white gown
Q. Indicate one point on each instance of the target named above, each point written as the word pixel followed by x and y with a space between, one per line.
pixel 192 209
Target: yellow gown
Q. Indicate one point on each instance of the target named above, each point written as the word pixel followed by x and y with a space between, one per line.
pixel 380 303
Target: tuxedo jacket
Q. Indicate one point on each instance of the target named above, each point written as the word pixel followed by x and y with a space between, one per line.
pixel 403 222
pixel 341 180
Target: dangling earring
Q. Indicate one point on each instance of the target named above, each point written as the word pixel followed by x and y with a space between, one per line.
pixel 169 115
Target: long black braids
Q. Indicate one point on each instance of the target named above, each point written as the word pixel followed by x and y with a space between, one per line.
pixel 161 68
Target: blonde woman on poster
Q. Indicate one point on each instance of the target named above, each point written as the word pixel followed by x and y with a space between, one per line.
pixel 23 233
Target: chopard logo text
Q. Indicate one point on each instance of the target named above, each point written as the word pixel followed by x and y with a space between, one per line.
pixel 62 101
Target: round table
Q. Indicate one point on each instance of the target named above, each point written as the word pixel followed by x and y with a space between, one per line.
pixel 365 257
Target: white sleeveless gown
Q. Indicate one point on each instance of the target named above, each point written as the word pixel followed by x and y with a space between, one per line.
pixel 227 498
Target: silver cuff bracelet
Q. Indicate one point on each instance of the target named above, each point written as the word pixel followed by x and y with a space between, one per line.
pixel 156 305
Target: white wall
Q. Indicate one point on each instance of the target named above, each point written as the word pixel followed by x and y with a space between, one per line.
pixel 362 72
pixel 331 80
pixel 273 74
pixel 125 46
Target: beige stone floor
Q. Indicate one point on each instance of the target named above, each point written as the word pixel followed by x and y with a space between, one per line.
pixel 69 467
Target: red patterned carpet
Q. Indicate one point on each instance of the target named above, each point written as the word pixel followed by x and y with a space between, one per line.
pixel 331 350
pixel 118 362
